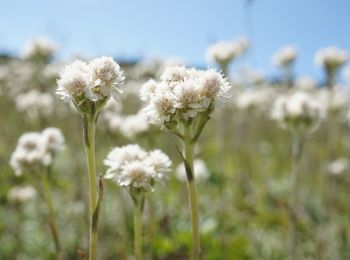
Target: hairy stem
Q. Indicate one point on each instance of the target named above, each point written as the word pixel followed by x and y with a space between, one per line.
pixel 138 228
pixel 46 188
pixel 192 195
pixel 89 141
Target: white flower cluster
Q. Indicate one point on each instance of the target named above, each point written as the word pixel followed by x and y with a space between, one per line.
pixel 131 166
pixel 255 98
pixel 305 82
pixel 224 52
pixel 20 194
pixel 331 57
pixel 201 172
pixel 94 81
pixel 39 47
pixel 182 94
pixel 334 100
pixel 338 167
pixel 36 149
pixel 297 109
pixel 35 103
pixel 285 56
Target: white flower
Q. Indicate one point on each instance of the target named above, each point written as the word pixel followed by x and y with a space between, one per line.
pixel 184 93
pixel 338 166
pixel 31 152
pixel 159 162
pixel 75 81
pixel 148 90
pixel 54 138
pixel 35 150
pixel 135 174
pixel 224 52
pixel 94 81
pixel 305 83
pixel 297 109
pixel 334 100
pixel 39 47
pixel 20 194
pixel 131 166
pixel 201 172
pixel 106 76
pixel 35 103
pixel 133 125
pixel 254 99
pixel 285 56
pixel 331 56
pixel 121 155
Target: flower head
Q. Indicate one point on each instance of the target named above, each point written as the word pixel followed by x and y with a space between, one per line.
pixel 40 48
pixel 201 172
pixel 92 82
pixel 131 166
pixel 285 56
pixel 20 194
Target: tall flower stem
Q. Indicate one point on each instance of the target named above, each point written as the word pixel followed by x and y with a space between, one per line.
pixel 297 146
pixel 46 189
pixel 192 194
pixel 89 142
pixel 138 201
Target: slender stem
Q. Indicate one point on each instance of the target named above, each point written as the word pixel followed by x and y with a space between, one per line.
pixel 138 229
pixel 89 141
pixel 296 156
pixel 192 196
pixel 46 187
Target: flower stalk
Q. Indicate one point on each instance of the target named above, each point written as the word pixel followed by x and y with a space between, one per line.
pixel 297 147
pixel 46 189
pixel 89 142
pixel 138 206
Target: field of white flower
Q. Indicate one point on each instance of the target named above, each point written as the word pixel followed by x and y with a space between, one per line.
pixel 108 159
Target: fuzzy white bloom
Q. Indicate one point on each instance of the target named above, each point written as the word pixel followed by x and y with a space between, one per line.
pixel 36 149
pixel 184 93
pixel 131 166
pixel 31 152
pixel 254 99
pixel 134 125
pixel 94 81
pixel 201 172
pixel 305 83
pixel 338 166
pixel 54 139
pixel 285 56
pixel 39 47
pixel 297 109
pixel 224 52
pixel 20 194
pixel 148 90
pixel 331 57
pixel 334 100
pixel 35 104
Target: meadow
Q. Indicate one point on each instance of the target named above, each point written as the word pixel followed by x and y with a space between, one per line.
pixel 270 165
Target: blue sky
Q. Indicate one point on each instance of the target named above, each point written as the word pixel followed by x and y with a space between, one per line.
pixel 178 28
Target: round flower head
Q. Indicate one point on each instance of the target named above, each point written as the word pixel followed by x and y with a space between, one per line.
pixel 331 57
pixel 338 166
pixel 133 125
pixel 148 90
pixel 201 172
pixel 106 76
pixel 31 152
pixel 297 110
pixel 35 104
pixel 20 194
pixel 131 166
pixel 39 48
pixel 95 81
pixel 285 56
pixel 54 138
pixel 184 93
pixel 224 52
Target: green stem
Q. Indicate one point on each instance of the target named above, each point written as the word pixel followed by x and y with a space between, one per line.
pixel 138 228
pixel 46 187
pixel 192 195
pixel 296 156
pixel 89 141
